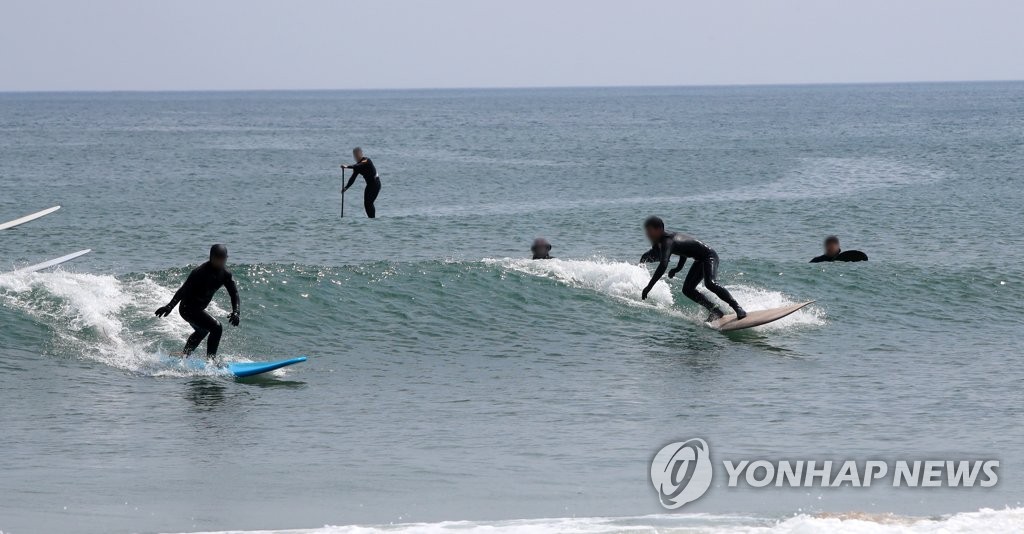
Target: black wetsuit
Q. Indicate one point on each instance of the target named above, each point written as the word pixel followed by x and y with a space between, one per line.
pixel 369 173
pixel 705 267
pixel 195 295
pixel 846 255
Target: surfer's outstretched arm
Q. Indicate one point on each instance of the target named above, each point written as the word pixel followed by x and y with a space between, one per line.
pixel 233 292
pixel 679 267
pixel 164 311
pixel 666 255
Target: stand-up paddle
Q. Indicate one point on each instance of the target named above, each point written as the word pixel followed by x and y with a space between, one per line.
pixel 343 192
pixel 28 218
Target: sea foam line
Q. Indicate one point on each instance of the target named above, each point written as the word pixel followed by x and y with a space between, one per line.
pixel 984 521
pixel 88 314
pixel 625 282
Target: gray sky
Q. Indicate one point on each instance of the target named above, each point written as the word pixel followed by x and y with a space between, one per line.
pixel 340 44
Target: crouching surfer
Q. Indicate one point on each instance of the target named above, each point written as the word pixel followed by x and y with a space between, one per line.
pixel 195 296
pixel 705 265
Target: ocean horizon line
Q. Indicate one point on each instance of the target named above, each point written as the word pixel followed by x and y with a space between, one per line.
pixel 508 88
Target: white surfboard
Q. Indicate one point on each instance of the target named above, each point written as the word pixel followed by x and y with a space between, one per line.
pixel 28 218
pixel 755 318
pixel 53 263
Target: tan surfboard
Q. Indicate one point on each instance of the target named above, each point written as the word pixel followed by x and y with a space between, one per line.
pixel 755 318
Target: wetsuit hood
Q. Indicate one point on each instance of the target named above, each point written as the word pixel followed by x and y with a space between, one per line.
pixel 219 251
pixel 541 249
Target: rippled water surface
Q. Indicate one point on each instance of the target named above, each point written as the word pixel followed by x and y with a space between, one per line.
pixel 450 379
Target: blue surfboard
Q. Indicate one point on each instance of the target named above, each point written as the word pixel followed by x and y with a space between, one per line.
pixel 239 369
pixel 242 370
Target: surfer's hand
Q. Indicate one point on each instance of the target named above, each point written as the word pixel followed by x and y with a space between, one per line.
pixel 233 319
pixel 673 272
pixel 647 290
pixel 163 311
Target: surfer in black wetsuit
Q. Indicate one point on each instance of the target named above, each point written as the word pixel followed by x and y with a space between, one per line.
pixel 195 295
pixel 541 249
pixel 365 168
pixel 833 252
pixel 705 265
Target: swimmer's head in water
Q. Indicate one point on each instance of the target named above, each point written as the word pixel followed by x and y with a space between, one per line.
pixel 832 245
pixel 655 228
pixel 357 153
pixel 541 249
pixel 218 256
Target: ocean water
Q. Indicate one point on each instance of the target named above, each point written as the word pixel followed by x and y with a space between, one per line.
pixel 454 386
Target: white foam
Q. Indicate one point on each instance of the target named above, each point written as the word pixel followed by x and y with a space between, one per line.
pixel 755 298
pixel 87 312
pixel 626 281
pixel 616 279
pixel 984 521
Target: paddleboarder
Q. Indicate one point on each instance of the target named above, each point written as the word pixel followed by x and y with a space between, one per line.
pixel 364 167
pixel 705 265
pixel 195 296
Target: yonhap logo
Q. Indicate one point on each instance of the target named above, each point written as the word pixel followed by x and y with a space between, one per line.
pixel 681 472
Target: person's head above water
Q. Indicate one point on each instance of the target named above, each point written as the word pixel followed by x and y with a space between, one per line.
pixel 832 246
pixel 541 249
pixel 218 256
pixel 357 153
pixel 655 228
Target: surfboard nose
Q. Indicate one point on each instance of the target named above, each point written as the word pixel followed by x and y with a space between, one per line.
pixel 242 370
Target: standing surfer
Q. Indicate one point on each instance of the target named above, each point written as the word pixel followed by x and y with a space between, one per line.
pixel 195 296
pixel 705 265
pixel 364 167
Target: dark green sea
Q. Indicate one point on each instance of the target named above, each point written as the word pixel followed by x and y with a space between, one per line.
pixel 453 385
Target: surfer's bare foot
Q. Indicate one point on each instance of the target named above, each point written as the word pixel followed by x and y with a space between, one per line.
pixel 740 313
pixel 715 315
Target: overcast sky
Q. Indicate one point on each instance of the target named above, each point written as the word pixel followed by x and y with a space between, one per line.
pixel 339 44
